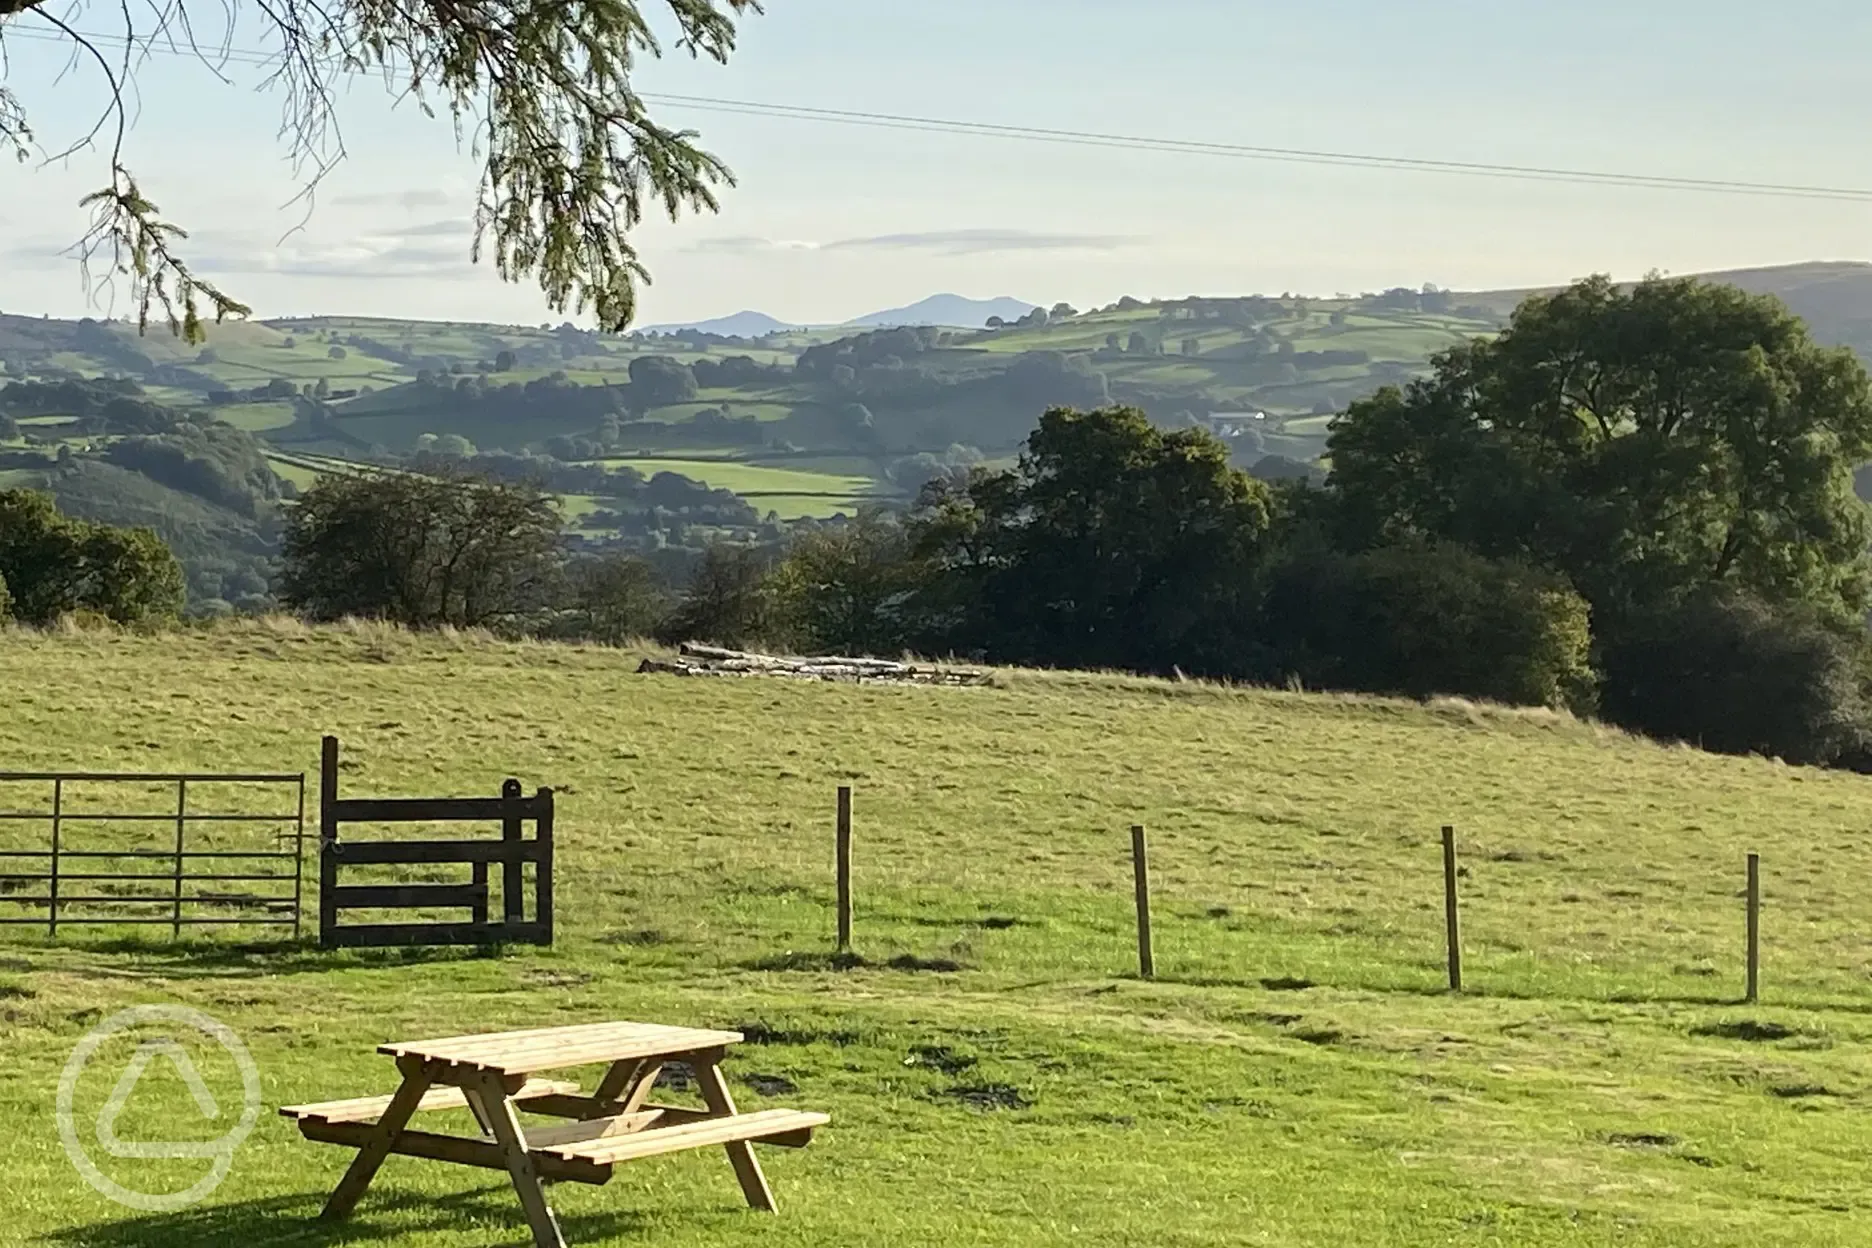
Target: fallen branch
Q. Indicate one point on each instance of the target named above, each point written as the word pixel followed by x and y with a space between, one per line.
pixel 694 659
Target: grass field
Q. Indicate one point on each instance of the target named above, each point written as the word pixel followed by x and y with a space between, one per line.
pixel 758 483
pixel 996 1073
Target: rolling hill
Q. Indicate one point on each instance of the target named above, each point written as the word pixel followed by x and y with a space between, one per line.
pixel 814 422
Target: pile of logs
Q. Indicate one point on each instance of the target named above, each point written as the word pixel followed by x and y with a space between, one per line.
pixel 699 660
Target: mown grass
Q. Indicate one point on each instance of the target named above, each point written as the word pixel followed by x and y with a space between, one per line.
pixel 996 1072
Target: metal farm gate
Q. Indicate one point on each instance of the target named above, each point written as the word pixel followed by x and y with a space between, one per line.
pixel 72 854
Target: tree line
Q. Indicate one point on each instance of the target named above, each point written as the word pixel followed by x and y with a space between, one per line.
pixel 1635 502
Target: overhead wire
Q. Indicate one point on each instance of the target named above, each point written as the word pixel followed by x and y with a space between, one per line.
pixel 1127 142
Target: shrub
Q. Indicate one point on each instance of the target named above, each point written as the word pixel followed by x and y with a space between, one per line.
pixel 1418 620
pixel 728 600
pixel 1729 673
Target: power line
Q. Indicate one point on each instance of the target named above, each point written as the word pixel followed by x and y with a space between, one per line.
pixel 1147 143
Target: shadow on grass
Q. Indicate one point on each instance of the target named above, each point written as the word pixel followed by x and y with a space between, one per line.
pixel 222 959
pixel 293 1220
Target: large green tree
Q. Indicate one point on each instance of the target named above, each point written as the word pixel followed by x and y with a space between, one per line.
pixel 54 565
pixel 422 551
pixel 1113 543
pixel 1647 443
pixel 544 89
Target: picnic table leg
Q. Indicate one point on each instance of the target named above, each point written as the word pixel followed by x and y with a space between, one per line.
pixel 490 1097
pixel 364 1167
pixel 747 1170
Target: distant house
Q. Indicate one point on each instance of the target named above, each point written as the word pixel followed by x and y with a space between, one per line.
pixel 1234 424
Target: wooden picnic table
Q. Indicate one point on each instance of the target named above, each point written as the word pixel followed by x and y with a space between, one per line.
pixel 496 1074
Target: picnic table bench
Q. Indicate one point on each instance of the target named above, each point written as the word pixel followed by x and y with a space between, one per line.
pixel 496 1074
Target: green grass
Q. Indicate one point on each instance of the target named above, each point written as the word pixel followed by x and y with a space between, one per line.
pixel 1295 1077
pixel 754 478
pixel 256 417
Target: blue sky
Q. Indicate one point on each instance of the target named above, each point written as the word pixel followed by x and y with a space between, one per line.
pixel 830 221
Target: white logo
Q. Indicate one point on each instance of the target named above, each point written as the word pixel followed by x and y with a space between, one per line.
pixel 221 1151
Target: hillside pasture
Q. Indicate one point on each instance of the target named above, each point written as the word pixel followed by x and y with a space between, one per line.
pixel 996 1072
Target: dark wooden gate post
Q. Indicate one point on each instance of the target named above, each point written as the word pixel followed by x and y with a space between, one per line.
pixel 328 842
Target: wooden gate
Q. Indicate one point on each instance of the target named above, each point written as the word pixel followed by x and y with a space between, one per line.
pixel 85 858
pixel 513 852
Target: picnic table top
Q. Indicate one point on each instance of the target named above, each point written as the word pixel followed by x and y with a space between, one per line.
pixel 553 1048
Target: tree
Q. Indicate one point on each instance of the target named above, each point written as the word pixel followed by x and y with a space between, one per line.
pixel 727 602
pixel 1192 346
pixel 504 361
pixel 1728 672
pixel 1113 543
pixel 615 598
pixel 1137 343
pixel 659 381
pixel 422 551
pixel 1420 620
pixel 996 322
pixel 337 353
pixel 845 588
pixel 570 157
pixel 322 390
pixel 54 565
pixel 1645 443
pixel 1062 311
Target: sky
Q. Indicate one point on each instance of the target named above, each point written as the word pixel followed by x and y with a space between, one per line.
pixel 830 221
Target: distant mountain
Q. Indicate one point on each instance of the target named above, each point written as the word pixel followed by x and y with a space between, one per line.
pixel 740 325
pixel 949 310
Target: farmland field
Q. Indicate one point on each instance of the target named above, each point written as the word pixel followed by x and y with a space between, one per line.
pixel 754 480
pixel 996 1072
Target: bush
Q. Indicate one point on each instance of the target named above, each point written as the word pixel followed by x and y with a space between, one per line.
pixel 845 588
pixel 54 565
pixel 728 601
pixel 1419 621
pixel 1729 673
pixel 6 602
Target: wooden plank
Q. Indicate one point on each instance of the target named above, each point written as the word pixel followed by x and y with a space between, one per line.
pixel 587 1108
pixel 464 1152
pixel 591 1129
pixel 543 868
pixel 568 1030
pixel 512 874
pixel 363 1108
pixel 521 1053
pixel 488 1095
pixel 379 1143
pixel 400 896
pixel 401 853
pixel 437 809
pixel 566 1055
pixel 747 1168
pixel 381 935
pixel 789 1126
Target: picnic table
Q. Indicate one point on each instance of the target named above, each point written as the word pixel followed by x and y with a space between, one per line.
pixel 495 1074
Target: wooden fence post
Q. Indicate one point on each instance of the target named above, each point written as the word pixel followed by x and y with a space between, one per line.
pixel 1754 927
pixel 328 843
pixel 1452 926
pixel 1140 870
pixel 844 870
pixel 181 824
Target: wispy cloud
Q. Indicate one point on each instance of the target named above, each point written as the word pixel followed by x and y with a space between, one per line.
pixel 421 197
pixel 453 228
pixel 970 242
pixel 941 242
pixel 384 255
